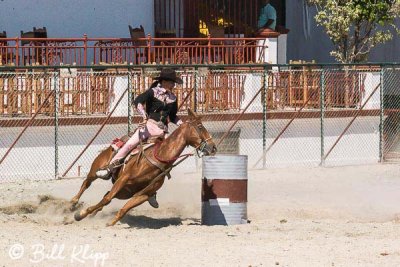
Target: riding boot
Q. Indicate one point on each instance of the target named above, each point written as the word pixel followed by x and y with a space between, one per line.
pixel 105 173
pixel 153 201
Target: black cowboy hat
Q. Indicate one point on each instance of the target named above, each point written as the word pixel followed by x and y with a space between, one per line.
pixel 169 75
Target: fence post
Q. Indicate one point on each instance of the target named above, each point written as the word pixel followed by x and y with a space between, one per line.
pixel 381 114
pixel 129 99
pixel 209 49
pixel 264 104
pixel 56 113
pixel 322 104
pixel 17 51
pixel 85 53
pixel 195 89
pixel 148 48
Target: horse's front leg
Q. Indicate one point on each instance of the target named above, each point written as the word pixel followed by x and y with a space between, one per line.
pixel 138 199
pixel 101 160
pixel 119 184
pixel 133 202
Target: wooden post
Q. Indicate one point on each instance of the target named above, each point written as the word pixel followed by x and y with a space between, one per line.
pixel 1 95
pixel 85 46
pixel 148 48
pixel 209 48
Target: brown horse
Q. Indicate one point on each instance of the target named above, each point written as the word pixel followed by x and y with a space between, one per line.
pixel 138 180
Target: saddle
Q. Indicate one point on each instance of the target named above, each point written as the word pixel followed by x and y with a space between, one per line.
pixel 117 143
pixel 150 142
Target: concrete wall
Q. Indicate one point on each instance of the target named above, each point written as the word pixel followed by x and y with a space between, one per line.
pixel 33 157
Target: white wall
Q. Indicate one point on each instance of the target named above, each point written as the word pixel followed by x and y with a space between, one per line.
pixel 73 18
pixel 33 158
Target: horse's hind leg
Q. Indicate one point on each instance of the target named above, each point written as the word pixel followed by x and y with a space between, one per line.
pixel 85 185
pixel 119 184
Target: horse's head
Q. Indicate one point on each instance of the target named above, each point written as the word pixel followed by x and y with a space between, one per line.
pixel 198 136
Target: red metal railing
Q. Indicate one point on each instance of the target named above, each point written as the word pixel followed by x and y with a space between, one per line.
pixel 87 51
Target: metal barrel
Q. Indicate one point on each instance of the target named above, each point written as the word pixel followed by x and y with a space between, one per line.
pixel 224 190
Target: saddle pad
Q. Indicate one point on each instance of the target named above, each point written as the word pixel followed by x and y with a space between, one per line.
pixel 117 143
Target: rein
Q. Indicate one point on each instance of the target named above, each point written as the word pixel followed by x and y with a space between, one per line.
pixel 201 147
pixel 169 161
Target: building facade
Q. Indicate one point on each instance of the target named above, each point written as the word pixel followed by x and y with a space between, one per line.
pixel 102 18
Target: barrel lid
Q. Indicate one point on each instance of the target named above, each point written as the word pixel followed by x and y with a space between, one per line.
pixel 225 167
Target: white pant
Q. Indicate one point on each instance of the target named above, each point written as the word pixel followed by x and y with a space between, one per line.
pixel 151 129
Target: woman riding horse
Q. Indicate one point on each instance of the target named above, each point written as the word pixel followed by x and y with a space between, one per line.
pixel 142 176
pixel 161 105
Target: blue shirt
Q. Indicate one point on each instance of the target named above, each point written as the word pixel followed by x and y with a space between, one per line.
pixel 267 12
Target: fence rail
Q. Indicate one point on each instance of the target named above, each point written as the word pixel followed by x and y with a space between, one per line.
pixel 278 115
pixel 91 51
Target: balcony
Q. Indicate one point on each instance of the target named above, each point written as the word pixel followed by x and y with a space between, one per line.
pixel 148 50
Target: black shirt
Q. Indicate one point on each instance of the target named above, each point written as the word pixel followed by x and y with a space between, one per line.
pixel 160 104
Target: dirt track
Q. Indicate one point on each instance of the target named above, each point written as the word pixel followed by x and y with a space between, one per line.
pixel 346 216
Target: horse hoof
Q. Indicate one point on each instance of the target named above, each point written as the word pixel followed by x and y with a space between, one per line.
pixel 78 216
pixel 110 224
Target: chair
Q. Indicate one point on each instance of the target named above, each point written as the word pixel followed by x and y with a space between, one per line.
pixel 170 51
pixel 277 94
pixel 218 51
pixel 216 92
pixel 303 84
pixel 139 46
pixel 7 54
pixel 32 51
pixel 3 48
pixel 216 31
pixel 40 32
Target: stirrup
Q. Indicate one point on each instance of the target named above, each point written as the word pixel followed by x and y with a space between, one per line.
pixel 104 174
pixel 153 201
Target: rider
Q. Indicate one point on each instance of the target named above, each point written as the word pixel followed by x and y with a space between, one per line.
pixel 161 105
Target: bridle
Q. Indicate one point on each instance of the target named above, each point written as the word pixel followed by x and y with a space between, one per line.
pixel 202 147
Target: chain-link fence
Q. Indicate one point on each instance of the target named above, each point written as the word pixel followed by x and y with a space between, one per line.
pixel 54 121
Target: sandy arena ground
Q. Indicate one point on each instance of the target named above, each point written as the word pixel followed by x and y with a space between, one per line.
pixel 342 216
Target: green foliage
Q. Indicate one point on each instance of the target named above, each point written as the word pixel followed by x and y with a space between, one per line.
pixel 356 26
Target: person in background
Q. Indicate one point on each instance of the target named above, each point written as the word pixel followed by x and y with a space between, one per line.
pixel 267 18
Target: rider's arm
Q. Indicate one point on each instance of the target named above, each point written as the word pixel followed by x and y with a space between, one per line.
pixel 140 100
pixel 172 115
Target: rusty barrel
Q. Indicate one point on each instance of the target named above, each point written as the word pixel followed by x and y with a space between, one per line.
pixel 224 190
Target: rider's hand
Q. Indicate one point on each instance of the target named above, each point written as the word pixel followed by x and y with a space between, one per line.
pixel 142 124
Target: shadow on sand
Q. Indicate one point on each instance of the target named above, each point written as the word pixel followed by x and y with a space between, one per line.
pixel 141 221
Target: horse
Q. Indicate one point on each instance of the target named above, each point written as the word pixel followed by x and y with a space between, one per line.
pixel 142 175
